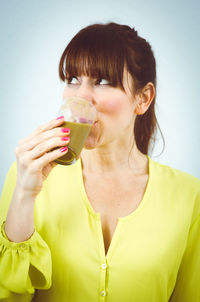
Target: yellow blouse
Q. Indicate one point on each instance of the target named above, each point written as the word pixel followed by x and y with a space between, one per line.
pixel 154 253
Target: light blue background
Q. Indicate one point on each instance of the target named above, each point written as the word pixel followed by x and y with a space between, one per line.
pixel 35 32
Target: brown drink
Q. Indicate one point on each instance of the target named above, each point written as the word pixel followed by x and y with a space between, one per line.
pixel 78 135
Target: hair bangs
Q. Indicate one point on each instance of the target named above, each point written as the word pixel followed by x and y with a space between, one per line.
pixel 96 55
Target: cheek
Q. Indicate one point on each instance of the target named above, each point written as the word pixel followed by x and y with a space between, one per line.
pixel 111 106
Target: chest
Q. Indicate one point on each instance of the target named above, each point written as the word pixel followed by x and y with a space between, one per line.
pixel 114 199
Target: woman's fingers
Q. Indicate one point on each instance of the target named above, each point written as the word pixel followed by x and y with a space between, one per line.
pixel 45 151
pixel 48 126
pixel 47 146
pixel 38 137
pixel 45 136
pixel 42 130
pixel 50 157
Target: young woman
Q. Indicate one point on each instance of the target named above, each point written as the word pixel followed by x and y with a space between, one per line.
pixel 116 225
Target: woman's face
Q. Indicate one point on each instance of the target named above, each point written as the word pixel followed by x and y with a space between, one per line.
pixel 115 108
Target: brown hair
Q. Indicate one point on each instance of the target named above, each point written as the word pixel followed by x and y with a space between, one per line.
pixel 102 51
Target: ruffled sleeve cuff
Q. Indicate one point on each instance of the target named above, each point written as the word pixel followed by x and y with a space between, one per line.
pixel 24 265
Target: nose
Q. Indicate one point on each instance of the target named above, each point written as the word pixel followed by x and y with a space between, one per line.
pixel 85 91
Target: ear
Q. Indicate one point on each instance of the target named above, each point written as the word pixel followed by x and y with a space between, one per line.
pixel 144 98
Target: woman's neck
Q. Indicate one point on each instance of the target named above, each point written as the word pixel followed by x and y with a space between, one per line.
pixel 111 160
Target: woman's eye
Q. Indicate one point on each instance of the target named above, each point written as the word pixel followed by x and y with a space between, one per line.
pixel 103 82
pixel 72 80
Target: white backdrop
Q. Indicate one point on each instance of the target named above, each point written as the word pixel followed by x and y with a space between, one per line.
pixel 33 35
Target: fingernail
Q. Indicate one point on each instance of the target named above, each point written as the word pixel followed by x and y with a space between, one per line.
pixel 63 149
pixel 60 117
pixel 65 130
pixel 66 138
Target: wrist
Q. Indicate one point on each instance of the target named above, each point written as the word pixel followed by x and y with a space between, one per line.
pixel 23 195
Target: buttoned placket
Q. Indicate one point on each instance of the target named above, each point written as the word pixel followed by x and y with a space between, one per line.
pixel 105 259
pixel 103 272
pixel 103 265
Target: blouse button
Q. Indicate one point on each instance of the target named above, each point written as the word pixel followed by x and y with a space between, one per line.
pixel 103 266
pixel 103 293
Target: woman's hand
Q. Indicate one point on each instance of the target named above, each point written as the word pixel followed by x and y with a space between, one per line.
pixel 34 157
